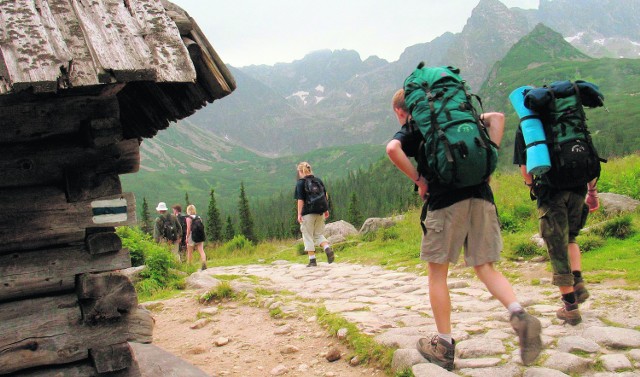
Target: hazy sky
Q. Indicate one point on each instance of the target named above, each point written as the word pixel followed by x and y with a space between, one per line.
pixel 246 32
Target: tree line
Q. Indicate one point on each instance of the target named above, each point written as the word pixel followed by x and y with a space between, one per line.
pixel 377 191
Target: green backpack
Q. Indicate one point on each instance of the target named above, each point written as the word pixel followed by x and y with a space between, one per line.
pixel 574 159
pixel 457 149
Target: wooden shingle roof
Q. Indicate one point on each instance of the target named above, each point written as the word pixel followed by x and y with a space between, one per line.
pixel 149 53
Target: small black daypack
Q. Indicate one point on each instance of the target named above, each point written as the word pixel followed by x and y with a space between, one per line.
pixel 316 195
pixel 197 230
pixel 169 230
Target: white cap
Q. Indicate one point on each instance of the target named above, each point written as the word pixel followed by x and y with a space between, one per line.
pixel 161 207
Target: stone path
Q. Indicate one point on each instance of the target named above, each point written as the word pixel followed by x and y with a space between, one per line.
pixel 393 306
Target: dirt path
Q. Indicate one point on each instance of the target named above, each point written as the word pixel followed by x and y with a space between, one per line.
pixel 254 349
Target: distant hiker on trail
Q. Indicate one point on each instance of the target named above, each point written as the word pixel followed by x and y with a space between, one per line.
pixel 195 235
pixel 567 191
pixel 458 218
pixel 167 229
pixel 182 219
pixel 313 210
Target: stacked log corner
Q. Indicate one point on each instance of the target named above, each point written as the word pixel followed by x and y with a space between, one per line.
pixel 65 310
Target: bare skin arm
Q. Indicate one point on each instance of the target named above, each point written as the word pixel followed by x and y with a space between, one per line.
pixel 402 162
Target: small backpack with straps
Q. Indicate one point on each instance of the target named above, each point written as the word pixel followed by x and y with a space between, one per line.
pixel 169 230
pixel 197 230
pixel 316 195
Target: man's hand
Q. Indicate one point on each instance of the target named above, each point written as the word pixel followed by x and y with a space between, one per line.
pixel 592 200
pixel 299 218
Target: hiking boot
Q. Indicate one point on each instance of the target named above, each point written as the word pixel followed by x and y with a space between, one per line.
pixel 581 292
pixel 569 313
pixel 204 266
pixel 438 351
pixel 330 255
pixel 312 263
pixel 528 329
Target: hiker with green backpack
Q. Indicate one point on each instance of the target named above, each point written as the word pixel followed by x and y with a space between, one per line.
pixel 567 191
pixel 167 229
pixel 456 152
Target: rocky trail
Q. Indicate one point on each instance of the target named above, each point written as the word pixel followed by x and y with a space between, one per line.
pixel 242 339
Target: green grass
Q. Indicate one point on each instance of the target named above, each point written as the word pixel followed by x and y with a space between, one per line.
pixel 363 346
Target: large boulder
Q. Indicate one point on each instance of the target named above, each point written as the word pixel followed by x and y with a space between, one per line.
pixel 374 223
pixel 616 203
pixel 340 227
pixel 201 280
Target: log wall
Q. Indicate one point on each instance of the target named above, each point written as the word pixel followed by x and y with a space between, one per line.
pixel 64 308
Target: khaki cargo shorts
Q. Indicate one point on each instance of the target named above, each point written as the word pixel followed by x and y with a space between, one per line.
pixel 471 224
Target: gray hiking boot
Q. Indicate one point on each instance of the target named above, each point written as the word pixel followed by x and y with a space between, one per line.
pixel 581 292
pixel 569 313
pixel 438 351
pixel 312 263
pixel 330 255
pixel 528 329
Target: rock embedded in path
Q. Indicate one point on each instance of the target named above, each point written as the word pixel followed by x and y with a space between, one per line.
pixel 615 362
pixel 201 280
pixel 221 341
pixel 406 358
pixel 568 363
pixel 333 355
pixel 289 349
pixel 479 347
pixel 279 370
pixel 543 372
pixel 284 330
pixel 202 322
pixel 614 337
pixel 430 370
pixel 577 343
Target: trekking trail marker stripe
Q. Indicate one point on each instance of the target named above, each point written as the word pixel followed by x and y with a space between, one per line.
pixel 109 211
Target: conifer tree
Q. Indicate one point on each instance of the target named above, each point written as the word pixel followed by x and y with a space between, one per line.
pixel 354 216
pixel 214 223
pixel 229 231
pixel 146 218
pixel 186 200
pixel 246 221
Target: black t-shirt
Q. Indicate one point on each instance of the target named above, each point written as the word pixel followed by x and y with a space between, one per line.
pixel 440 196
pixel 520 159
pixel 301 194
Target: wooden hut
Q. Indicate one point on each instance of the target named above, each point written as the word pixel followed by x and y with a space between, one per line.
pixel 81 83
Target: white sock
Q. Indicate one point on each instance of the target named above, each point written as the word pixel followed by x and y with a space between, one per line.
pixel 312 257
pixel 446 337
pixel 326 247
pixel 514 307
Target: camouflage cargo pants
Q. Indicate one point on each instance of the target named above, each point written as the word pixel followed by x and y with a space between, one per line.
pixel 561 218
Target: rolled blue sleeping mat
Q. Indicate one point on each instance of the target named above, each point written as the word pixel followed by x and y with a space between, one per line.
pixel 538 161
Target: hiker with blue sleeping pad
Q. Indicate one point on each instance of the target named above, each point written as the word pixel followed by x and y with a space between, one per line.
pixel 456 152
pixel 312 211
pixel 567 190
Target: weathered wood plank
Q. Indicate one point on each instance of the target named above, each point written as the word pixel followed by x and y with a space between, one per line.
pixel 111 358
pixel 223 82
pixel 102 240
pixel 170 57
pixel 28 121
pixel 105 296
pixel 50 331
pixel 34 273
pixel 51 220
pixel 33 48
pixel 84 185
pixel 33 165
pixel 141 325
pixel 79 369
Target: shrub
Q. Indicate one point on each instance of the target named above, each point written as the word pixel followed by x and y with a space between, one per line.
pixel 300 249
pixel 222 291
pixel 619 227
pixel 239 243
pixel 136 241
pixel 390 234
pixel 508 223
pixel 589 241
pixel 158 261
pixel 527 249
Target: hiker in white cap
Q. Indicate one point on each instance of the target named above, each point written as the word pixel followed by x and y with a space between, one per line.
pixel 167 228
